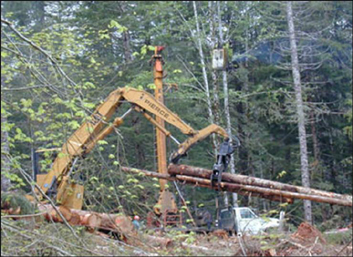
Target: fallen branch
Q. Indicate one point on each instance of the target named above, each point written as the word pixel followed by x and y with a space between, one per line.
pixel 20 233
pixel 21 216
pixel 344 247
pixel 159 241
pixel 196 247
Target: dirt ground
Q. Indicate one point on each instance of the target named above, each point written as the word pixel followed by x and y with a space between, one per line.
pixel 306 241
pixel 22 238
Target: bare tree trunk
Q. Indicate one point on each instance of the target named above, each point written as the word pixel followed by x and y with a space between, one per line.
pixel 316 148
pixel 216 105
pixel 126 39
pixel 204 73
pixel 127 50
pixel 300 111
pixel 139 148
pixel 315 166
pixel 203 66
pixel 226 103
pixel 216 109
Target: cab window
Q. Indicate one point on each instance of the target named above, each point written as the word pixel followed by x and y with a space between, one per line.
pixel 247 214
pixel 226 214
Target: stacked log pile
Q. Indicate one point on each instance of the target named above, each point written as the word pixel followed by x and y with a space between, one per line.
pixel 95 222
pixel 92 220
pixel 247 185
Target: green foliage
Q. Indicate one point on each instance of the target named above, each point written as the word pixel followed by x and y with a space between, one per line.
pixel 115 24
pixel 101 46
pixel 16 181
pixel 52 239
pixel 15 201
pixel 341 238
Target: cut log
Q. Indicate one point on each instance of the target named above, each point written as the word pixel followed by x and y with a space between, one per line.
pixel 117 222
pixel 91 220
pixel 257 188
pixel 253 192
pixel 261 191
pixel 113 222
pixel 174 169
pixel 75 219
pixel 64 211
pixel 195 183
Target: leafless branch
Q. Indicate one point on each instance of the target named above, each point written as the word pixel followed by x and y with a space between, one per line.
pixel 30 181
pixel 9 24
pixel 191 73
pixel 3 88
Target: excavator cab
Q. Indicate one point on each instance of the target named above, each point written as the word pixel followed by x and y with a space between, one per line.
pixel 70 190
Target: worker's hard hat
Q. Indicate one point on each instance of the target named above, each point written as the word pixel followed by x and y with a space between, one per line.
pixel 136 217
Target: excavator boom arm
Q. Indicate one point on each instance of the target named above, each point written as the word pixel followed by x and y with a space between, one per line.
pixel 83 140
pixel 147 102
pixel 86 136
pixel 200 135
pixel 76 144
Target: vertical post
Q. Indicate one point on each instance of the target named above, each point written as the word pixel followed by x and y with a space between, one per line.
pixel 166 203
pixel 160 137
pixel 35 168
pixel 281 222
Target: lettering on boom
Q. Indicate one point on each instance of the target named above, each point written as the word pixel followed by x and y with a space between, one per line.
pixel 156 108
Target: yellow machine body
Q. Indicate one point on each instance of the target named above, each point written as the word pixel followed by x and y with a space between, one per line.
pixel 84 139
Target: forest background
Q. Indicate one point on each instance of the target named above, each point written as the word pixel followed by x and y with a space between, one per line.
pixel 60 59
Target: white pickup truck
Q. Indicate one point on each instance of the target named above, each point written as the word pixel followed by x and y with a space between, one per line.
pixel 243 220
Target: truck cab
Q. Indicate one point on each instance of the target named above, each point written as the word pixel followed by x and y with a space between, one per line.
pixel 243 220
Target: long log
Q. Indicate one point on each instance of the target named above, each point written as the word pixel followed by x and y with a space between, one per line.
pixel 174 169
pixel 188 181
pixel 237 188
pixel 256 191
pixel 224 186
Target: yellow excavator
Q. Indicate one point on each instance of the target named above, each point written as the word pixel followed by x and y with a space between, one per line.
pixel 57 183
pixel 83 140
